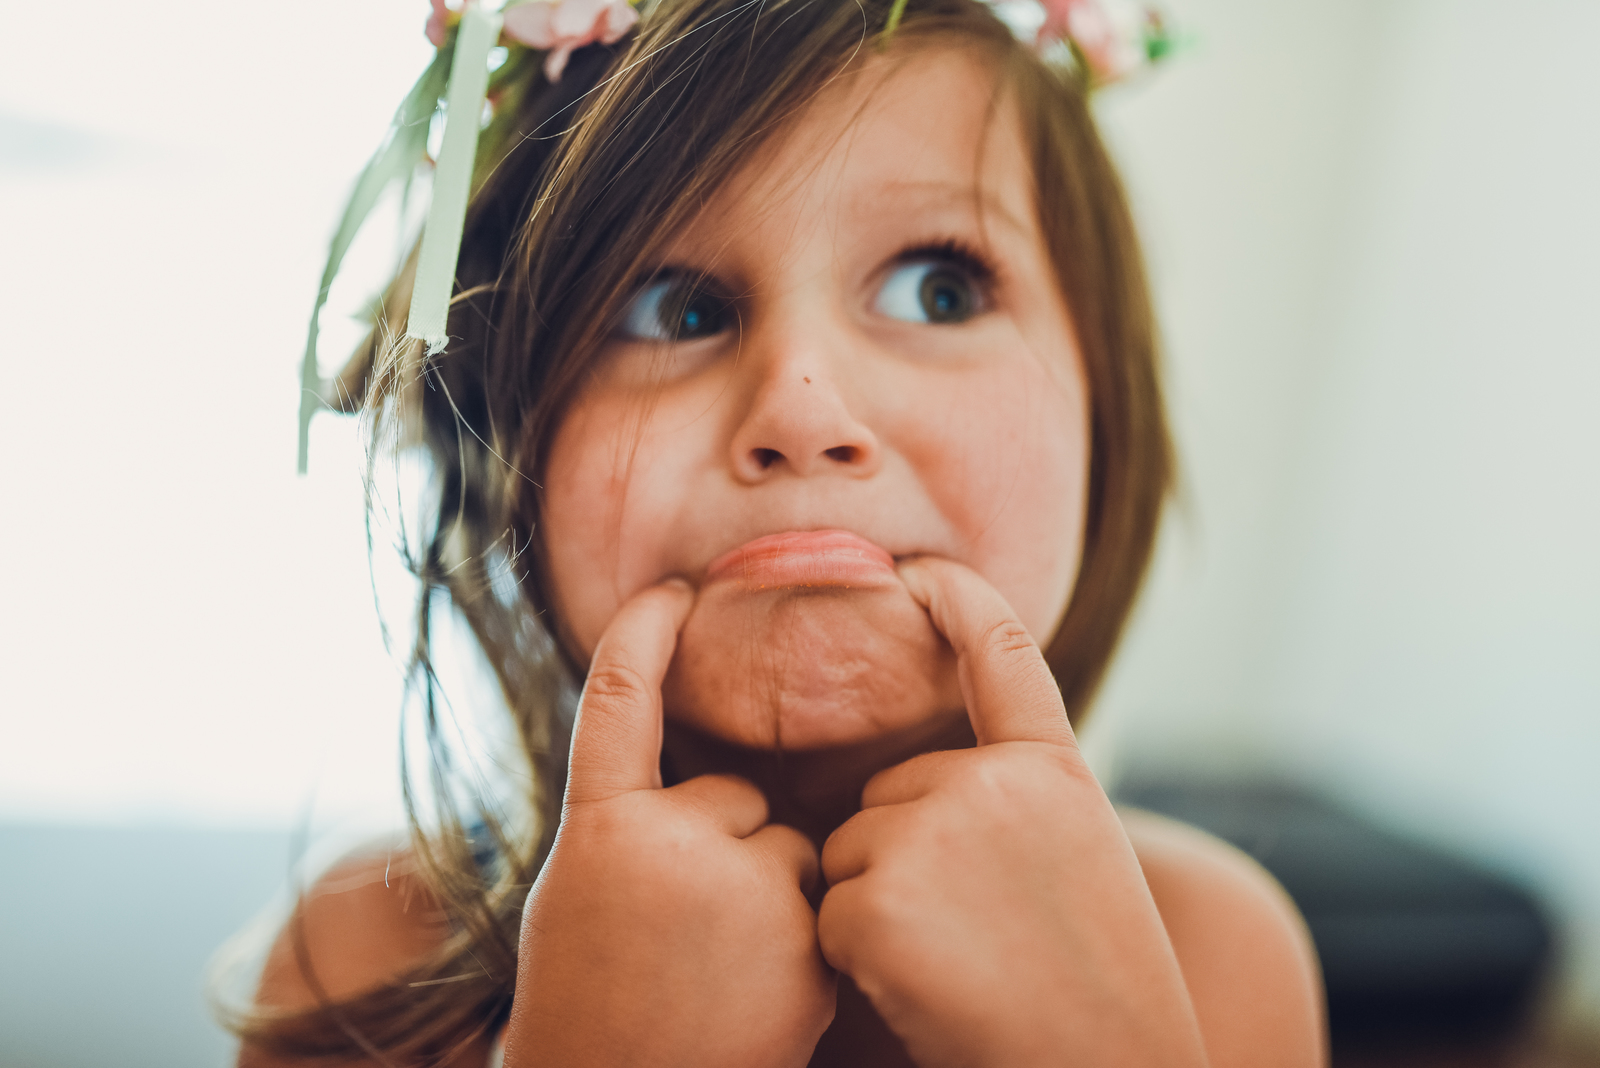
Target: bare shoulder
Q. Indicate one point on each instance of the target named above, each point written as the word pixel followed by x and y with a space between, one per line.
pixel 369 920
pixel 1245 954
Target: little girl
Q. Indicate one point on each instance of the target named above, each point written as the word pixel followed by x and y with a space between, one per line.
pixel 800 405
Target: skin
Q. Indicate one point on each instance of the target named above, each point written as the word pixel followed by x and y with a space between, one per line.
pixel 965 441
pixel 927 872
pixel 968 442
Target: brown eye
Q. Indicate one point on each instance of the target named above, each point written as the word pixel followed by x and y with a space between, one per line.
pixel 929 291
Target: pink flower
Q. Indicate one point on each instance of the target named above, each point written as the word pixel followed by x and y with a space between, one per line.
pixel 1107 34
pixel 560 26
pixel 439 23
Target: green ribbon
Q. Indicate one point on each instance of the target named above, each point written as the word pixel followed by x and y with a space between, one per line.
pixel 460 75
pixel 452 179
pixel 397 159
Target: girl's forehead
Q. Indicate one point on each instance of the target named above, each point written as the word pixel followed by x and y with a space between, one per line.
pixel 927 131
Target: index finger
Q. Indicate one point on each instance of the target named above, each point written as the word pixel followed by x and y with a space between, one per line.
pixel 616 740
pixel 1010 693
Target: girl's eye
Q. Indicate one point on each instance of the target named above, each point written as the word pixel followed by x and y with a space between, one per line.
pixel 673 309
pixel 929 291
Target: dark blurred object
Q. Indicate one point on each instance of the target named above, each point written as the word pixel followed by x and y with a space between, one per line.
pixel 1417 947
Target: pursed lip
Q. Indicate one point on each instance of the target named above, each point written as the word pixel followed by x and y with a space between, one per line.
pixel 804 558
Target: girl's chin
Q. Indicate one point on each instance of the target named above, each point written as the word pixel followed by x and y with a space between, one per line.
pixel 804 668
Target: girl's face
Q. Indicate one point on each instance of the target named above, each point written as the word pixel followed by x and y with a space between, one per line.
pixel 858 353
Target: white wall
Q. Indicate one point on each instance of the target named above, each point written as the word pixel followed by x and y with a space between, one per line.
pixel 188 632
pixel 1376 239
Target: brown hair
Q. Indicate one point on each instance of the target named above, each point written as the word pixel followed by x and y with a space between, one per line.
pixel 588 180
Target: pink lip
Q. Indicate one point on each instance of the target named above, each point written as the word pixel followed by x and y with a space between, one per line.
pixel 804 558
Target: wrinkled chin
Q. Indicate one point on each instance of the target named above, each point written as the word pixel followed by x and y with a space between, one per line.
pixel 808 668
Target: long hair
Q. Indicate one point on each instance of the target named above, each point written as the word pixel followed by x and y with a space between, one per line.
pixel 595 176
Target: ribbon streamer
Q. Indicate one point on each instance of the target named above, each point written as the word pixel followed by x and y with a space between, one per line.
pixel 452 179
pixel 397 160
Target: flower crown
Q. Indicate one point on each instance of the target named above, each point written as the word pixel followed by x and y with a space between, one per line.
pixel 1104 41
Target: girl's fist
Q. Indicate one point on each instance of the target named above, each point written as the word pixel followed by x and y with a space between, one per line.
pixel 987 900
pixel 669 926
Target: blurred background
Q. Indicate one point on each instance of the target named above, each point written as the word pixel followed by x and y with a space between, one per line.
pixel 1373 231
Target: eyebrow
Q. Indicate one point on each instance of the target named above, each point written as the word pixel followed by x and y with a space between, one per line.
pixel 953 193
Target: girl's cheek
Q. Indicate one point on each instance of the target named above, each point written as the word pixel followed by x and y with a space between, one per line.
pixel 613 490
pixel 1006 462
pixel 968 441
pixel 585 490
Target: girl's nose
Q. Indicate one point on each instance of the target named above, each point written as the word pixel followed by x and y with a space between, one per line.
pixel 799 423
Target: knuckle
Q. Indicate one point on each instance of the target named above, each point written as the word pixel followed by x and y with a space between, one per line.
pixel 832 934
pixel 791 842
pixel 678 836
pixel 675 862
pixel 736 789
pixel 882 904
pixel 1010 780
pixel 1008 639
pixel 865 922
pixel 991 771
pixel 783 850
pixel 845 930
pixel 615 684
pixel 832 857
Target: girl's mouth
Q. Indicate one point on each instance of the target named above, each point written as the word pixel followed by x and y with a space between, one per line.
pixel 809 558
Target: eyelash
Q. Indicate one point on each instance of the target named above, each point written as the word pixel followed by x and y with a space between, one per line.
pixel 956 251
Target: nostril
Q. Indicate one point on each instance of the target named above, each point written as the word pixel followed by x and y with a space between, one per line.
pixel 766 457
pixel 843 454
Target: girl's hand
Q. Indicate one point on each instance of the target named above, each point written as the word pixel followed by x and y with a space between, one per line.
pixel 987 900
pixel 669 926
